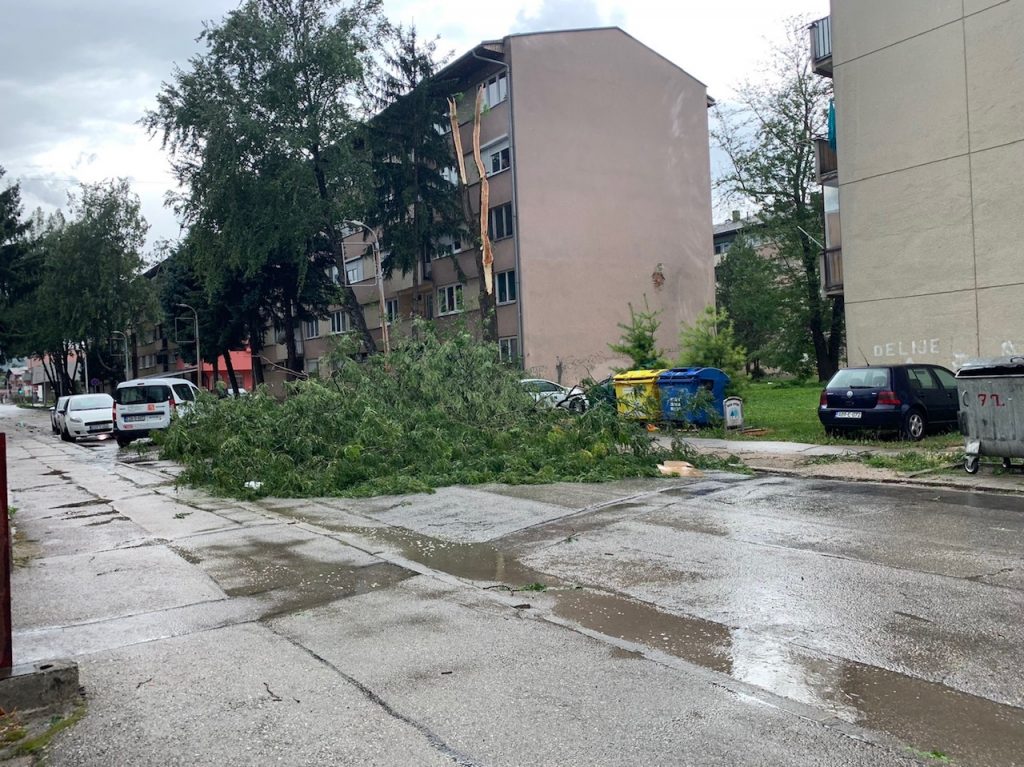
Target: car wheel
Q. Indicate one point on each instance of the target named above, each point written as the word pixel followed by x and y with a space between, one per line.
pixel 66 436
pixel 1007 463
pixel 914 425
pixel 122 441
pixel 971 464
pixel 577 405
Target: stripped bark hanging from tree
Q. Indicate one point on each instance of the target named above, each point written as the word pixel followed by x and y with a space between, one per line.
pixel 453 115
pixel 487 255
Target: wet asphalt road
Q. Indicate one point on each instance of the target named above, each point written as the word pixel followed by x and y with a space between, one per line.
pixel 728 620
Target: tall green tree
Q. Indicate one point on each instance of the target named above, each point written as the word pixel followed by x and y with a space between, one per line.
pixel 89 284
pixel 15 275
pixel 263 129
pixel 751 289
pixel 415 206
pixel 768 138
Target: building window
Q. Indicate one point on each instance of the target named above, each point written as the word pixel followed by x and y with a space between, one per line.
pixel 313 368
pixel 500 222
pixel 391 309
pixel 496 90
pixel 506 286
pixel 508 349
pixel 449 299
pixel 498 157
pixel 339 322
pixel 332 274
pixel 354 270
pixel 448 245
pixel 313 329
pixel 451 175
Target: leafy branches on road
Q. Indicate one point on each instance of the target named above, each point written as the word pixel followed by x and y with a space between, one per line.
pixel 437 411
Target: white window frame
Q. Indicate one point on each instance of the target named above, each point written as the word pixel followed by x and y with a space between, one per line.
pixel 496 89
pixel 313 367
pixel 391 309
pixel 354 271
pixel 495 150
pixel 503 285
pixel 340 322
pixel 448 245
pixel 449 299
pixel 312 328
pixel 451 175
pixel 507 220
pixel 508 349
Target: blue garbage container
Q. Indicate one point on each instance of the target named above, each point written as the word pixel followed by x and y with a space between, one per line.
pixel 679 389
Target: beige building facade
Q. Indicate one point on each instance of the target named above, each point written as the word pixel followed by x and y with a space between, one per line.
pixel 929 101
pixel 596 151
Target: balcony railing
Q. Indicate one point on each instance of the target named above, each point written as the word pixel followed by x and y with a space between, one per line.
pixel 821 46
pixel 832 272
pixel 826 165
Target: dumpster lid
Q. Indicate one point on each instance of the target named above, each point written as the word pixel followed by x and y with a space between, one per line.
pixel 637 375
pixel 995 366
pixel 693 374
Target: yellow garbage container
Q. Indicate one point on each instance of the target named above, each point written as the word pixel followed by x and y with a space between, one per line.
pixel 637 395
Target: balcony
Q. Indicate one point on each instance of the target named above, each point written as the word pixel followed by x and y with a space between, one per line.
pixel 826 165
pixel 821 46
pixel 832 272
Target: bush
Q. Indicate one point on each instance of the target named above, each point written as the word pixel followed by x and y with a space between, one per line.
pixel 435 412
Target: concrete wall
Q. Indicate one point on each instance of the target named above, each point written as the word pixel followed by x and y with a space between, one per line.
pixel 613 180
pixel 930 120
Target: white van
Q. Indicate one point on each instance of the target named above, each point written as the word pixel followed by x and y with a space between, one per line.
pixel 147 404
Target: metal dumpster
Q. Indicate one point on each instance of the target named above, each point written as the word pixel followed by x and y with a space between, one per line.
pixel 636 394
pixel 991 409
pixel 680 395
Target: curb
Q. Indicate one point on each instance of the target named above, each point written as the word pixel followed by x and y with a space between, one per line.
pixel 39 685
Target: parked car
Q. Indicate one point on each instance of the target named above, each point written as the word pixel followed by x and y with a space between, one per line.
pixel 551 394
pixel 912 399
pixel 86 415
pixel 144 405
pixel 57 414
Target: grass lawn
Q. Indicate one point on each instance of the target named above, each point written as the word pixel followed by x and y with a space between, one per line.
pixel 789 413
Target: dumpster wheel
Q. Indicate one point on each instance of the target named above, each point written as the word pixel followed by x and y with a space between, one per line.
pixel 971 463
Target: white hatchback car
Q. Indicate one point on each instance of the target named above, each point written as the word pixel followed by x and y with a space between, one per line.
pixel 148 404
pixel 86 415
pixel 57 415
pixel 551 394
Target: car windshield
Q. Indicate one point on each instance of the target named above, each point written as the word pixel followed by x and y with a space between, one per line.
pixel 96 402
pixel 143 395
pixel 860 378
pixel 184 392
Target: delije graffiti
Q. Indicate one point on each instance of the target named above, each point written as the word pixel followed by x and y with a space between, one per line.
pixel 906 348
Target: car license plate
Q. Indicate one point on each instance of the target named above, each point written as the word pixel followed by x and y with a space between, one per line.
pixel 848 414
pixel 98 428
pixel 135 418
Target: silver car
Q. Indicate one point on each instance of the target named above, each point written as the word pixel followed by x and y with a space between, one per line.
pixel 87 415
pixel 57 415
pixel 551 394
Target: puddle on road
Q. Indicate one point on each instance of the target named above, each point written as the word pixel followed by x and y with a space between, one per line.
pixel 926 715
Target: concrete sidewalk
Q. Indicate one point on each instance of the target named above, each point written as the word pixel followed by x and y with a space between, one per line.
pixel 826 462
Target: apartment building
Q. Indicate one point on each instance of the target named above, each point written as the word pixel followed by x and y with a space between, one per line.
pixel 596 153
pixel 929 150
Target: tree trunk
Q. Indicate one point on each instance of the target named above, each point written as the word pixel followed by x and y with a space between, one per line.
pixel 229 366
pixel 291 348
pixel 348 295
pixel 256 350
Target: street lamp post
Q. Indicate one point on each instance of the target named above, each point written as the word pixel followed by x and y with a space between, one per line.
pixel 380 283
pixel 199 359
pixel 127 361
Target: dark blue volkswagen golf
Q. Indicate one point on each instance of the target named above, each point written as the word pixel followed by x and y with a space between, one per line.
pixel 912 399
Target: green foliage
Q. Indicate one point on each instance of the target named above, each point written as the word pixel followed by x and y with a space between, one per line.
pixel 910 461
pixel 437 411
pixel 768 139
pixel 638 340
pixel 415 206
pixel 264 138
pixel 711 343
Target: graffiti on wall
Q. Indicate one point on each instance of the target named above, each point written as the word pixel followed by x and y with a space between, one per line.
pixel 904 349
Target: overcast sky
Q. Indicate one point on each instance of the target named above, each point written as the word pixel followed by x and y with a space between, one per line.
pixel 76 76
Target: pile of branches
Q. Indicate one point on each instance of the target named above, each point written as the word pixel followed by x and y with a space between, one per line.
pixel 436 411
